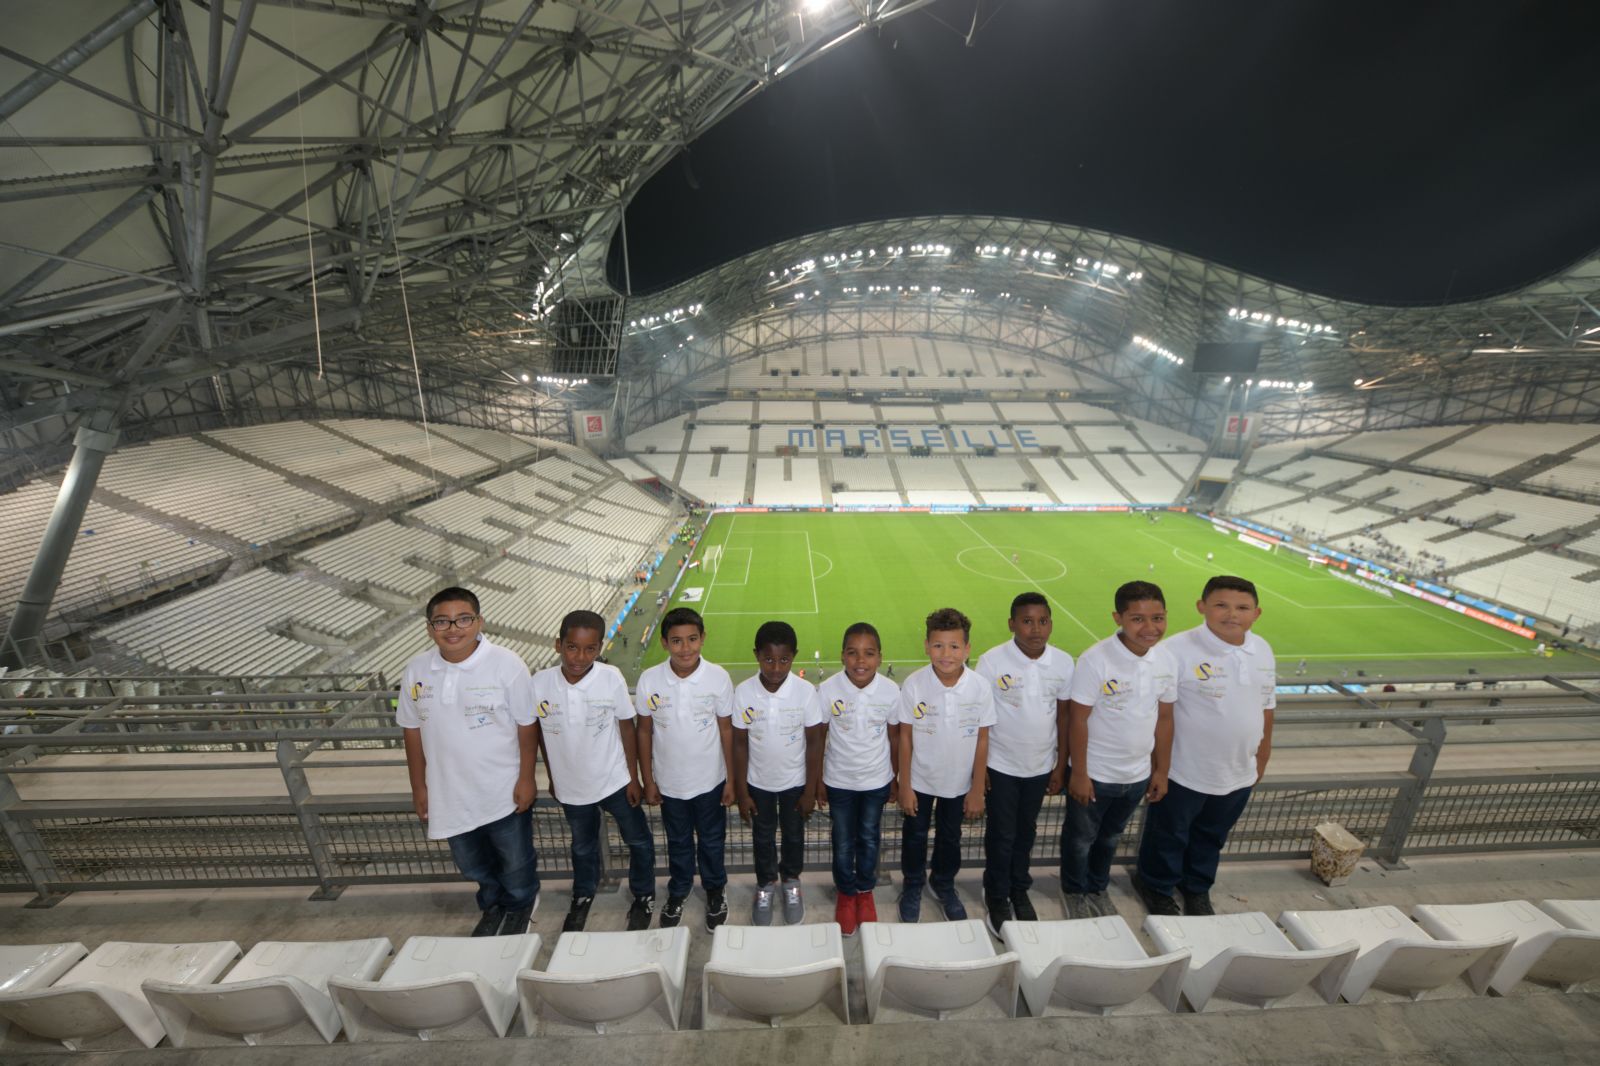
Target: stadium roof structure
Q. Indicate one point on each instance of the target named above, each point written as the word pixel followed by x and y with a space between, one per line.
pixel 1083 297
pixel 188 188
pixel 267 208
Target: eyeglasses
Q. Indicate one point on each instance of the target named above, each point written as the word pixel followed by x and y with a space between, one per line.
pixel 463 621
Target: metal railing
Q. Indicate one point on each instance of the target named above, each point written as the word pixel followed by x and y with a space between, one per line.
pixel 60 835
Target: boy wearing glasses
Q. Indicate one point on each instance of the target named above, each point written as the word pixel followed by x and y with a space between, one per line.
pixel 467 711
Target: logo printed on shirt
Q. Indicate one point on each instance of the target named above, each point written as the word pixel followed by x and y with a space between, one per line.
pixel 1204 672
pixel 1004 682
pixel 837 707
pixel 1111 687
pixel 747 715
pixel 544 708
pixel 653 701
pixel 416 690
pixel 920 711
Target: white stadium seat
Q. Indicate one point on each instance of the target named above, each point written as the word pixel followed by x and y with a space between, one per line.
pixel 1545 951
pixel 1396 955
pixel 24 967
pixel 776 972
pixel 102 994
pixel 453 986
pixel 935 968
pixel 1574 913
pixel 277 993
pixel 1247 959
pixel 600 978
pixel 1091 964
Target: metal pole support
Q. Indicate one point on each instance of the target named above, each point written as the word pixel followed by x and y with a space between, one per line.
pixel 294 777
pixel 29 846
pixel 1430 733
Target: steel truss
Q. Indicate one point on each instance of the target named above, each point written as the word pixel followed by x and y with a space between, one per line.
pixel 201 189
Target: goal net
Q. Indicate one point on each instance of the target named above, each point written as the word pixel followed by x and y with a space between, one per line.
pixel 712 558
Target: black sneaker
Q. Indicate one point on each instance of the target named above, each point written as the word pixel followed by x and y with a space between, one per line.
pixel 1162 904
pixel 1198 903
pixel 489 923
pixel 577 914
pixel 1022 907
pixel 672 913
pixel 516 922
pixel 639 913
pixel 716 908
pixel 997 912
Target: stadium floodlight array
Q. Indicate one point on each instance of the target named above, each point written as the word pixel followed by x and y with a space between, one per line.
pixel 1151 346
pixel 665 318
pixel 1267 318
pixel 548 379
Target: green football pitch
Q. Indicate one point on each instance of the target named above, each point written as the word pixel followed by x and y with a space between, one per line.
pixel 820 572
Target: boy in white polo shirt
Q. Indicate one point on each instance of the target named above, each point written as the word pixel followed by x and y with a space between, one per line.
pixel 585 722
pixel 685 761
pixel 466 711
pixel 946 711
pixel 1227 690
pixel 1117 744
pixel 777 764
pixel 1030 681
pixel 859 767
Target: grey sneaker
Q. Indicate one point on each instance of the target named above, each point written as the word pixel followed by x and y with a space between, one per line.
pixel 761 909
pixel 1101 905
pixel 794 905
pixel 1077 905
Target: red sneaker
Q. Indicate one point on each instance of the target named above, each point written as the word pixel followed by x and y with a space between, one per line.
pixel 866 909
pixel 844 912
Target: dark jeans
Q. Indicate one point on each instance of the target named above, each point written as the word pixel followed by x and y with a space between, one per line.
pixel 775 811
pixel 696 829
pixel 499 856
pixel 1183 838
pixel 946 820
pixel 584 821
pixel 857 834
pixel 1089 835
pixel 1013 804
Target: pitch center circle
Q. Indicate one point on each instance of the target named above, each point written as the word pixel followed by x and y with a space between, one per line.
pixel 1002 562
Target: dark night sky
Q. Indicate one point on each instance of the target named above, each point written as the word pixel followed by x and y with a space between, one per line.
pixel 1394 152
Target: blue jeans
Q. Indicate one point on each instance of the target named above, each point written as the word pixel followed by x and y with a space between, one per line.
pixel 584 821
pixel 696 829
pixel 946 820
pixel 857 835
pixel 1183 838
pixel 1013 819
pixel 1089 835
pixel 500 857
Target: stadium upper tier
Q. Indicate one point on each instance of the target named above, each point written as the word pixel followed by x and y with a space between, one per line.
pixel 540 527
pixel 816 451
pixel 1508 512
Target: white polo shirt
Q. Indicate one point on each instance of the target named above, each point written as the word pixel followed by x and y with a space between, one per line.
pixel 1023 740
pixel 468 713
pixel 1224 692
pixel 775 724
pixel 858 721
pixel 686 743
pixel 944 721
pixel 581 738
pixel 1123 688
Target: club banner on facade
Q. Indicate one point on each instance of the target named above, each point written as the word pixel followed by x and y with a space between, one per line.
pixel 591 425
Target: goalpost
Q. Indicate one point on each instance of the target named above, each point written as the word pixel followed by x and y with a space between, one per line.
pixel 712 558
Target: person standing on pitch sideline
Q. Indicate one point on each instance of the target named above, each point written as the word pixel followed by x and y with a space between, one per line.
pixel 859 767
pixel 585 722
pixel 466 714
pixel 1222 739
pixel 777 765
pixel 685 761
pixel 945 713
pixel 1117 744
pixel 1030 682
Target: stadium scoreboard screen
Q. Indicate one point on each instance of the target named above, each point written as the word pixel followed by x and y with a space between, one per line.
pixel 1226 357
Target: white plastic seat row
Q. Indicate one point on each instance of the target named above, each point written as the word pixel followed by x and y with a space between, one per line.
pixel 1557 942
pixel 1247 959
pixel 1395 955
